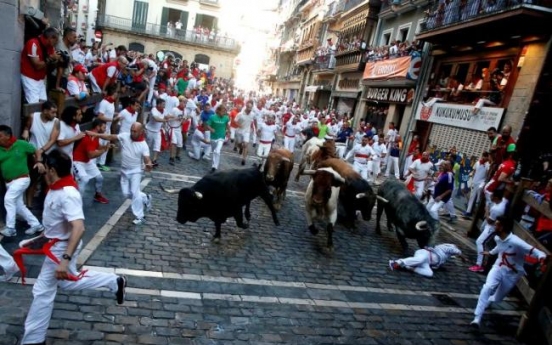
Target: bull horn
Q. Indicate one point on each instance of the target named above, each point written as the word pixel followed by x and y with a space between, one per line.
pixel 198 195
pixel 382 199
pixel 361 195
pixel 308 172
pixel 168 190
pixel 422 226
pixel 285 159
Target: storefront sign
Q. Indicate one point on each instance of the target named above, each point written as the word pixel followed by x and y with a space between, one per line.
pixel 404 67
pixel 459 115
pixel 348 83
pixel 389 94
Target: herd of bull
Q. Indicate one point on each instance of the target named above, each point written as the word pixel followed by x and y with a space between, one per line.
pixel 334 191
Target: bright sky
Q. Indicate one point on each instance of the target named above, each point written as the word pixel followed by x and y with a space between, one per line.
pixel 251 22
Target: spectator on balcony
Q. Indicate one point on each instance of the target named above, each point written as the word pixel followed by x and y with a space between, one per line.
pixel 106 74
pixel 170 29
pixel 37 57
pixel 394 49
pixel 471 9
pixel 178 26
pixel 331 51
pixel 452 11
pixel 75 83
pixel 58 78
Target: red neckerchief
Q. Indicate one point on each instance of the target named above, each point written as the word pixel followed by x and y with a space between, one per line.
pixel 424 160
pixel 130 110
pixel 142 137
pixel 110 99
pixel 181 107
pixel 66 181
pixel 160 110
pixel 481 162
pixel 74 125
pixel 11 141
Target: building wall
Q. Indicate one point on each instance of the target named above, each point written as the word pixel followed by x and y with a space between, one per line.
pixel 410 19
pixel 223 61
pixel 525 85
pixel 124 9
pixel 11 44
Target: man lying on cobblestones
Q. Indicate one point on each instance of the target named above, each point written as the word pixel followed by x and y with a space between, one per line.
pixel 428 259
pixel 63 219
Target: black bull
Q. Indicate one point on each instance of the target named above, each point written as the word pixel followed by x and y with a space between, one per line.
pixel 222 195
pixel 407 213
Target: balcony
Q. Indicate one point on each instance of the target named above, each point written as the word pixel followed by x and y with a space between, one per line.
pixel 349 5
pixel 160 31
pixel 323 63
pixel 350 60
pixel 466 22
pixel 210 2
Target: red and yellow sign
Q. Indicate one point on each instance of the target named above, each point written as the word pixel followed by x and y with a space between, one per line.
pixel 387 69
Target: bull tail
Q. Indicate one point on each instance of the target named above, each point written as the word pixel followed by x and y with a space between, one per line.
pixel 168 190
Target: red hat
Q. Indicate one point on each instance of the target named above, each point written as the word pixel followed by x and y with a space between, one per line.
pixel 80 68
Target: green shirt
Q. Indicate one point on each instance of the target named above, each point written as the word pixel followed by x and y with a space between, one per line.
pixel 13 161
pixel 323 130
pixel 219 124
pixel 181 86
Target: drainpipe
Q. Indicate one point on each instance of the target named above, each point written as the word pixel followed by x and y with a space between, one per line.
pixel 427 61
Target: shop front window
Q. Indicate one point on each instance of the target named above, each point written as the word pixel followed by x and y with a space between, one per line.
pixel 376 115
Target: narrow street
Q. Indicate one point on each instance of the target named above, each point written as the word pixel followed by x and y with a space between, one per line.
pixel 266 284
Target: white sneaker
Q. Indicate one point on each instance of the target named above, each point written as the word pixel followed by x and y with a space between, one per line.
pixel 8 232
pixel 475 323
pixel 148 203
pixel 8 275
pixel 139 221
pixel 34 229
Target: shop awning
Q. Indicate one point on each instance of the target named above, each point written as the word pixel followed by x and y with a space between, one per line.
pixel 345 94
pixel 389 83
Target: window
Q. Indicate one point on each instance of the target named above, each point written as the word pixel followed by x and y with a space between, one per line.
pixel 136 47
pixel 202 59
pixel 386 37
pixel 419 26
pixel 402 34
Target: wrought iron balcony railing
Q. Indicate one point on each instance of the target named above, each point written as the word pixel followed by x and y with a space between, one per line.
pixel 440 15
pixel 323 62
pixel 162 31
pixel 210 2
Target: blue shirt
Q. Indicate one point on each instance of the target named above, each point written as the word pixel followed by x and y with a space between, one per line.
pixel 203 99
pixel 444 182
pixel 394 152
pixel 343 135
pixel 206 115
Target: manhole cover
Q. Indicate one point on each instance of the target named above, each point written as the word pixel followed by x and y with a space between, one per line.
pixel 445 299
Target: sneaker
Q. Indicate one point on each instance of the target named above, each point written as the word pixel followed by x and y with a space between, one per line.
pixel 8 232
pixel 103 167
pixel 155 164
pixel 34 229
pixel 467 215
pixel 139 221
pixel 477 268
pixel 171 161
pixel 121 286
pixel 98 197
pixel 243 162
pixel 213 170
pixel 475 324
pixel 178 157
pixel 8 275
pixel 393 265
pixel 148 203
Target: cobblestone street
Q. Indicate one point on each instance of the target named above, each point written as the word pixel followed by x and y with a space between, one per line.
pixel 266 284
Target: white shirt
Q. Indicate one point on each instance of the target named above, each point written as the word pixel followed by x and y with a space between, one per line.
pixel 291 129
pixel 75 87
pixel 61 206
pixel 40 132
pixel 245 120
pixel 107 109
pixel 361 153
pixel 171 102
pixel 380 150
pixel 127 119
pixel 68 132
pixel 392 135
pixel 132 153
pixel 267 133
pixel 498 210
pixel 480 173
pixel 152 125
pixel 421 170
pixel 78 56
pixel 443 252
pixel 198 137
pixel 176 123
pixel 511 252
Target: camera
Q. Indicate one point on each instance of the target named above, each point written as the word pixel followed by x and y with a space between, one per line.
pixel 64 59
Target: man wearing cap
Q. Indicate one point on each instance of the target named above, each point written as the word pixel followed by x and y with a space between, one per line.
pixel 363 154
pixel 428 259
pixel 503 174
pixel 75 83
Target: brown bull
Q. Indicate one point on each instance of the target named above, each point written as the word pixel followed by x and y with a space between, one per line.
pixel 277 170
pixel 314 152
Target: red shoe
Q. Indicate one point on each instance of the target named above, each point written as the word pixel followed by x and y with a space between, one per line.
pixel 477 268
pixel 98 197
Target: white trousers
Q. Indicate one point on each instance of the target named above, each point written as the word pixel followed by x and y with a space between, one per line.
pixel 14 204
pixel 362 169
pixel 407 163
pixel 392 162
pixel 95 87
pixel 375 168
pixel 289 143
pixel 130 186
pixel 232 133
pixel 475 195
pixel 176 137
pixel 154 140
pixel 84 172
pixel 419 263
pixel 6 261
pixel 433 208
pixel 151 87
pixel 263 150
pixel 500 281
pixel 197 148
pixel 35 90
pixel 101 160
pixel 419 187
pixel 486 234
pixel 217 147
pixel 45 289
pixel 340 149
